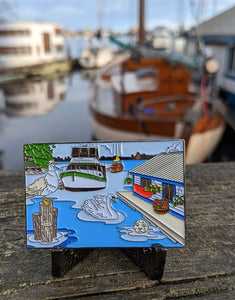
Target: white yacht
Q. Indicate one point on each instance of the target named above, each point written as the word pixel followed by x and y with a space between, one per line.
pixel 84 171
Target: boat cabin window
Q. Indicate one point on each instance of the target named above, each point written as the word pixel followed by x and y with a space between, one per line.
pixel 58 31
pixel 14 32
pixel 71 167
pixel 59 48
pixel 84 152
pixel 15 50
pixel 47 45
pixel 93 152
pixel 145 72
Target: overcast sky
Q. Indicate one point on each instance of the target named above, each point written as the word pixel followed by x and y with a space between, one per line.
pixel 116 14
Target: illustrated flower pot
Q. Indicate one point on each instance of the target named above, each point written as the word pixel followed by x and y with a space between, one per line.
pixel 161 207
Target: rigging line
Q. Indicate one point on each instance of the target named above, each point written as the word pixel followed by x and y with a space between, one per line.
pixel 195 11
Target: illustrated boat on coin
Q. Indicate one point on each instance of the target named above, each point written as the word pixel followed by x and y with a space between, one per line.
pixel 84 171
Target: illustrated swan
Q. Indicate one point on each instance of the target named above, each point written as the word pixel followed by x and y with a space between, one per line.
pixel 44 185
pixel 101 207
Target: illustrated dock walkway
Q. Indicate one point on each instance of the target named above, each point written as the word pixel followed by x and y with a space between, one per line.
pixel 170 225
pixel 203 269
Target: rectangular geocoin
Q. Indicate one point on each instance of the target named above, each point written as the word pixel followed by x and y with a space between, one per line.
pixel 105 194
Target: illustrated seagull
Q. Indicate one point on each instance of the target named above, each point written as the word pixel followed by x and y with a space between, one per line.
pixel 44 185
pixel 173 148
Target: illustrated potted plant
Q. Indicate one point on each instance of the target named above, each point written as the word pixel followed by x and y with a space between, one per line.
pixel 128 180
pixel 178 200
pixel 153 189
pixel 161 206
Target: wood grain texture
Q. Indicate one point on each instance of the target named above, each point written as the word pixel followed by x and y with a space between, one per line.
pixel 203 269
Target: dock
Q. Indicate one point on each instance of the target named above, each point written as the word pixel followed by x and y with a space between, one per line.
pixel 203 269
pixel 170 225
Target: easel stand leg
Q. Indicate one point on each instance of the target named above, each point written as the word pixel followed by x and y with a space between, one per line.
pixel 150 260
pixel 63 260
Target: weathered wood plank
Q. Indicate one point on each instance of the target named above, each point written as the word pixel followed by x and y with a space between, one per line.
pixel 204 268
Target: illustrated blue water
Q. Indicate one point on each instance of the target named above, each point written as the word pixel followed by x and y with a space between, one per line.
pixel 84 230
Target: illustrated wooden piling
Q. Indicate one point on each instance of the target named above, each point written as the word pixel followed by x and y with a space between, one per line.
pixel 45 222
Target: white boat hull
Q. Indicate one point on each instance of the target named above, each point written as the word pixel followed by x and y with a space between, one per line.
pixel 200 146
pixel 95 59
pixel 82 183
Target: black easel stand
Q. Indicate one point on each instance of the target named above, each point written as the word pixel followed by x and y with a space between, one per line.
pixel 150 260
pixel 63 260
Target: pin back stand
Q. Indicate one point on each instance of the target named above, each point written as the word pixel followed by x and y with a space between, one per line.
pixel 63 260
pixel 150 260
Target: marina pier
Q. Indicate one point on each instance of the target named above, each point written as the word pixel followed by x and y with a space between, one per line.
pixel 203 268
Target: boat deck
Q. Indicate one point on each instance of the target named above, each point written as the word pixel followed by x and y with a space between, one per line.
pixel 203 269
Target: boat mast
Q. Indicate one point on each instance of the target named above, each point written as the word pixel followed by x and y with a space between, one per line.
pixel 100 14
pixel 141 23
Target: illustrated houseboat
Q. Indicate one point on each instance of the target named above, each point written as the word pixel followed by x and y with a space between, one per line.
pixel 84 171
pixel 156 179
pixel 32 48
pixel 157 184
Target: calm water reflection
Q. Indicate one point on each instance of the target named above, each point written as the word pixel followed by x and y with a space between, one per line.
pixel 55 110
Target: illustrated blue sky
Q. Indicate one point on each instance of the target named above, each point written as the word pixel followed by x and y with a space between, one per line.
pixel 128 148
pixel 116 14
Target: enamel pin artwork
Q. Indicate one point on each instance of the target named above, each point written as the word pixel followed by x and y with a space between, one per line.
pixel 105 194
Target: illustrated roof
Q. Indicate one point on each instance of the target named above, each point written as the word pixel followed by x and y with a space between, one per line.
pixel 168 166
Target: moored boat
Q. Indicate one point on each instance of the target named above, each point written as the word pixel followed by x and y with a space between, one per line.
pixel 146 94
pixel 117 165
pixel 95 57
pixel 84 171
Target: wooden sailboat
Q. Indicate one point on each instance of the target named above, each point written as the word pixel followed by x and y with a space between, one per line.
pixel 146 94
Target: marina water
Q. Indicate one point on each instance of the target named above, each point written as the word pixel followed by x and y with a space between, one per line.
pixel 56 110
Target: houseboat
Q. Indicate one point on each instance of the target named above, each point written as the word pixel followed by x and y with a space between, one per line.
pixel 218 39
pixel 31 47
pixel 84 171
